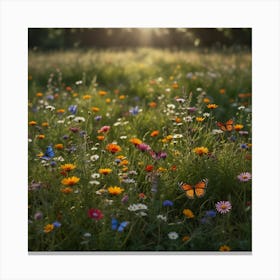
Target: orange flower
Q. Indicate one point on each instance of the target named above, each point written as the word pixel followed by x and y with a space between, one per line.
pixel 45 124
pixel 153 104
pixel 41 136
pixel 113 148
pixel 175 85
pixel 108 100
pixel 135 141
pixel 67 167
pixel 39 94
pixel 124 162
pixel 115 190
pixel 100 137
pixel 59 146
pixel 67 190
pixel 238 127
pixel 105 171
pixel 87 96
pixel 142 195
pixel 155 133
pixel 68 88
pixel 201 150
pixel 95 109
pixel 48 228
pixel 222 91
pixel 32 123
pixel 173 168
pixel 199 119
pixel 212 106
pixel 185 238
pixel 206 100
pixel 121 97
pixel 70 181
pixel 102 92
pixel 60 111
pixel 178 120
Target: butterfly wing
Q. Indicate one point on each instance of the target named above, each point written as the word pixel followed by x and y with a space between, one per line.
pixel 114 223
pixel 122 226
pixel 188 189
pixel 222 126
pixel 200 188
pixel 229 125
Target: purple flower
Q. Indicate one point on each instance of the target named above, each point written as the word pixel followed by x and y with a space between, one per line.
pixel 167 203
pixel 134 111
pixel 56 224
pixel 38 216
pixel 191 109
pixel 244 177
pixel 125 199
pixel 98 118
pixel 158 155
pixel 223 207
pixel 210 213
pixel 143 147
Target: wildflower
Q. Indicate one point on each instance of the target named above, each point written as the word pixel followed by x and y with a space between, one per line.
pixel 100 137
pixel 238 127
pixel 154 133
pixel 98 118
pixel 102 92
pixel 210 213
pixel 70 181
pixel 67 190
pixel 180 100
pixel 143 147
pixel 201 150
pixel 95 214
pixel 136 207
pixel 216 131
pixel 39 94
pixel 124 162
pixel 135 141
pixel 223 207
pixel 95 109
pixel 149 168
pixel 50 108
pixel 113 148
pixel 105 171
pixel 59 146
pixel 125 199
pixel 32 123
pixel 244 177
pixel 188 213
pixel 224 248
pixel 95 175
pixel 161 169
pixel 94 182
pixel 134 111
pixel 68 167
pixel 41 136
pixel 108 100
pixel 175 85
pixel 212 106
pixel 38 216
pixel 87 234
pixel 60 111
pixel 222 91
pixel 153 104
pixel 244 146
pixel 56 224
pixel 94 157
pixel 199 119
pixel 104 129
pixel 166 203
pixel 74 129
pixel 87 96
pixel 79 119
pixel 186 238
pixel 115 190
pixel 161 217
pixel 191 109
pixel 45 124
pixel 173 235
pixel 206 100
pixel 122 97
pixel 48 228
pixel 73 109
pixel 142 196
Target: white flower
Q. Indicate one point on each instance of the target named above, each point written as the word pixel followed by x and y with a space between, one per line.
pixel 50 108
pixel 206 115
pixel 94 182
pixel 136 207
pixel 123 137
pixel 173 235
pixel 176 136
pixel 61 121
pixel 79 119
pixel 70 117
pixel 216 131
pixel 60 158
pixel 161 217
pixel 94 157
pixel 95 175
pixel 171 106
pixel 87 234
pixel 141 214
pixel 188 119
pixel 241 108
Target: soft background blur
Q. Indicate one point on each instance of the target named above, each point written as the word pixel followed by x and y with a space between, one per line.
pixel 178 38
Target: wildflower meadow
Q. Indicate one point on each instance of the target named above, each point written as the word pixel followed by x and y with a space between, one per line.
pixel 139 150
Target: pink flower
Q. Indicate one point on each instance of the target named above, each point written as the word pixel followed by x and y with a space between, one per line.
pixel 244 177
pixel 105 128
pixel 95 214
pixel 223 207
pixel 143 147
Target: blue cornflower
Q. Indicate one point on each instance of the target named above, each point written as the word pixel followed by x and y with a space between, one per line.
pixel 73 109
pixel 243 146
pixel 98 118
pixel 211 213
pixel 56 224
pixel 134 111
pixel 167 203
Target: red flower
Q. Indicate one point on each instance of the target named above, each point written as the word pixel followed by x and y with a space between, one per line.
pixel 95 214
pixel 149 168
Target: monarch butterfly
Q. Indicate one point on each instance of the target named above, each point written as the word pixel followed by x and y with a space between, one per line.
pixel 228 126
pixel 48 154
pixel 116 226
pixel 197 190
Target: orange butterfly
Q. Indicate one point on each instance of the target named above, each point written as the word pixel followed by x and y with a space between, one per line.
pixel 197 190
pixel 228 126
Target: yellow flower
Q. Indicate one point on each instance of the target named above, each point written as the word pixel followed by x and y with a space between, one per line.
pixel 48 228
pixel 45 124
pixel 67 190
pixel 121 97
pixel 108 100
pixel 224 248
pixel 115 190
pixel 87 96
pixel 60 111
pixel 212 106
pixel 188 213
pixel 102 92
pixel 32 123
pixel 238 127
pixel 75 94
pixel 161 169
pixel 200 150
pixel 206 100
pixel 124 162
pixel 105 171
pixel 175 85
pixel 70 181
pixel 67 167
pixel 199 119
pixel 39 94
